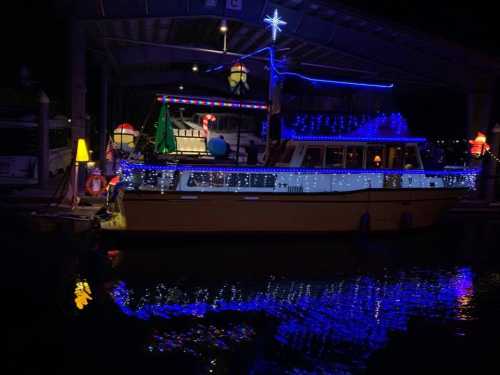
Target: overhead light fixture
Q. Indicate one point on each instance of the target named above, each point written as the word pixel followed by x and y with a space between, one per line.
pixel 223 26
pixel 195 68
pixel 181 87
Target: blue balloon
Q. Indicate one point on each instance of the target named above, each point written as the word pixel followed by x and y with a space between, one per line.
pixel 217 147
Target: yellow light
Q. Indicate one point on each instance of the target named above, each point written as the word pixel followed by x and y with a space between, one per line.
pixel 223 26
pixel 82 153
pixel 83 294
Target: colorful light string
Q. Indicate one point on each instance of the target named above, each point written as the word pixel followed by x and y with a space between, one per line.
pixel 210 102
pixel 358 139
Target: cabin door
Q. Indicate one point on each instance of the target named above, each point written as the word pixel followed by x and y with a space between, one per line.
pixel 392 181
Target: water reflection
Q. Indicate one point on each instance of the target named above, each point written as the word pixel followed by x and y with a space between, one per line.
pixel 200 339
pixel 349 317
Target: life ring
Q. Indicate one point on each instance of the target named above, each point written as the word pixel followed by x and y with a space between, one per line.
pixel 95 185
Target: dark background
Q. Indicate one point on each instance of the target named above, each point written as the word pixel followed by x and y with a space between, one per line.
pixel 34 34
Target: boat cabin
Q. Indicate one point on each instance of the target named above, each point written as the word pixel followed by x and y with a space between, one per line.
pixel 349 155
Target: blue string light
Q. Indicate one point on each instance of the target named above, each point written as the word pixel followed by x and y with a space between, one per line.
pixel 325 81
pixel 359 139
pixel 195 168
pixel 306 78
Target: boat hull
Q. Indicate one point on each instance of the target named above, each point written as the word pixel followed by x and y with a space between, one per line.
pixel 374 210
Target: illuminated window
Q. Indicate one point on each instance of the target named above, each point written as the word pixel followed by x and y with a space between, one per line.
pixel 375 157
pixel 313 158
pixel 354 157
pixel 334 157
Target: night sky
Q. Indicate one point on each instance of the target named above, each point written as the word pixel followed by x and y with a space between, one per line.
pixel 37 35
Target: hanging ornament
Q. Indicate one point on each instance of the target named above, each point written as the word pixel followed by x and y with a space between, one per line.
pixel 478 145
pixel 238 79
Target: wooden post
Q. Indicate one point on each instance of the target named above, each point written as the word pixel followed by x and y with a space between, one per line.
pixel 103 119
pixel 491 193
pixel 43 141
pixel 78 83
pixel 78 88
pixel 479 105
pixel 274 101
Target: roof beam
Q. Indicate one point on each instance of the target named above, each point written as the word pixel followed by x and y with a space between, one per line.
pixel 233 40
pixel 251 41
pixel 298 47
pixel 311 51
pixel 174 77
pixel 162 31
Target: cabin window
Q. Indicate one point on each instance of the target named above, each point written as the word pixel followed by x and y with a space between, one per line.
pixel 354 157
pixel 313 157
pixel 395 157
pixel 238 180
pixel 411 157
pixel 263 180
pixel 334 157
pixel 287 155
pixel 375 157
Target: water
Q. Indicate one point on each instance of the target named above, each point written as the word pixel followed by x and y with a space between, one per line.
pixel 345 318
pixel 408 303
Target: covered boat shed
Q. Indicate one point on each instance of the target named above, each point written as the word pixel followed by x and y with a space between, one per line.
pixel 154 43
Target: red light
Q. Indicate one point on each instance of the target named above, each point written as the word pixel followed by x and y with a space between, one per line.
pixel 478 145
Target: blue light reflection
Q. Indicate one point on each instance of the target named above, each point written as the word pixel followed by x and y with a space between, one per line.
pixel 360 311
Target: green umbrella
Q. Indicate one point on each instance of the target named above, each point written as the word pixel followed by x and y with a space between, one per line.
pixel 164 137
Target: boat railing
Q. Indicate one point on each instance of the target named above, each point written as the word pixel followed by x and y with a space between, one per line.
pixel 140 177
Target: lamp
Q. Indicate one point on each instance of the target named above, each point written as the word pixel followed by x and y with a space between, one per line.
pixel 82 152
pixel 223 29
pixel 223 26
pixel 82 156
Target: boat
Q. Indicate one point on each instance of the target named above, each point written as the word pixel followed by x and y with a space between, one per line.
pixel 18 160
pixel 316 184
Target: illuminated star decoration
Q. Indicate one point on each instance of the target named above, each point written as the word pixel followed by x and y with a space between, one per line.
pixel 274 23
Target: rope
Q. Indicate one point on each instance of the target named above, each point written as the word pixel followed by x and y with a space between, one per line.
pixel 493 156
